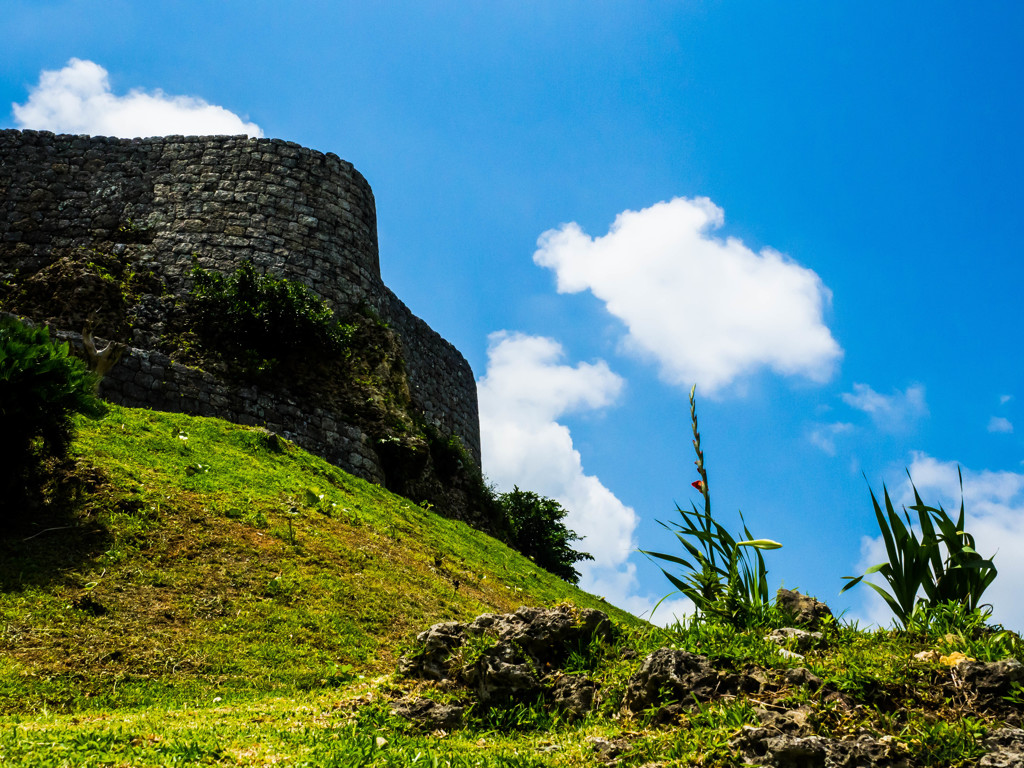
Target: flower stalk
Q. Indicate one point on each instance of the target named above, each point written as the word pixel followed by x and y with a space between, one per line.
pixel 726 579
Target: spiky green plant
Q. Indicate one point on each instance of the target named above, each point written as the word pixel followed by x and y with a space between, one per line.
pixel 942 563
pixel 720 577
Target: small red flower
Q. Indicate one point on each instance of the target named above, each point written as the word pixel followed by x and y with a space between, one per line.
pixel 699 485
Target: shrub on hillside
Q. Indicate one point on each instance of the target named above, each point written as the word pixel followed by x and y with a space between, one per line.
pixel 537 530
pixel 41 387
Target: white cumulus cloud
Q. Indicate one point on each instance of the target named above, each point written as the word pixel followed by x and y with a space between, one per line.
pixel 1000 424
pixel 891 413
pixel 78 99
pixel 526 389
pixel 708 310
pixel 994 515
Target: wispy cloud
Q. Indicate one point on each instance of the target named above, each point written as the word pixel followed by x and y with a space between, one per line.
pixel 824 435
pixel 526 389
pixel 78 99
pixel 707 310
pixel 999 424
pixel 891 413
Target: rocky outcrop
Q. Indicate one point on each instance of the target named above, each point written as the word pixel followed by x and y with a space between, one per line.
pixel 793 642
pixel 794 718
pixel 988 681
pixel 506 658
pixel 429 714
pixel 1005 749
pixel 806 611
pixel 765 746
pixel 673 680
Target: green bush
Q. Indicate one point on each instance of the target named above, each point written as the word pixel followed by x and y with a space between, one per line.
pixel 41 388
pixel 537 531
pixel 257 324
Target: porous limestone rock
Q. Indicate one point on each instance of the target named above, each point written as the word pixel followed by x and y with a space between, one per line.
pixel 988 680
pixel 429 714
pixel 673 679
pixel 798 640
pixel 576 695
pixel 608 750
pixel 768 747
pixel 806 611
pixel 512 657
pixel 1006 749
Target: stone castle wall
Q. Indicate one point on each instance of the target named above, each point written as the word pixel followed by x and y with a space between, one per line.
pixel 295 212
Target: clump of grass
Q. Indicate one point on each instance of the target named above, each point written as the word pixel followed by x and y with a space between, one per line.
pixel 943 564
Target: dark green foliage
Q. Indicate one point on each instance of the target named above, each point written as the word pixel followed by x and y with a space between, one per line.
pixel 943 563
pixel 537 530
pixel 41 387
pixel 258 324
pixel 88 286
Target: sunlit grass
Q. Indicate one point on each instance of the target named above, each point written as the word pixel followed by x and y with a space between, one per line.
pixel 218 597
pixel 207 557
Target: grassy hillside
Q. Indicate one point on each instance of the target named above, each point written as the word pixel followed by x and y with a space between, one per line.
pixel 206 557
pixel 207 594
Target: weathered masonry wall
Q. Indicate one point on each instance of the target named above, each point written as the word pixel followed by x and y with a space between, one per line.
pixel 295 212
pixel 153 380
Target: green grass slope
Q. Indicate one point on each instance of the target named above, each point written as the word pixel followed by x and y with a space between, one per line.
pixel 203 560
pixel 209 595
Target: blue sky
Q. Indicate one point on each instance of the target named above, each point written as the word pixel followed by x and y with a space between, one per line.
pixel 812 211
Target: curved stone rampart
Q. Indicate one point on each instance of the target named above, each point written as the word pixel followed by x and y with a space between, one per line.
pixel 295 212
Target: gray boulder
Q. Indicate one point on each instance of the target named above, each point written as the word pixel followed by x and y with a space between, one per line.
pixel 673 680
pixel 435 646
pixel 545 635
pixel 798 640
pixel 501 674
pixel 766 746
pixel 806 611
pixel 799 677
pixel 988 680
pixel 429 714
pixel 576 695
pixel 512 657
pixel 608 750
pixel 1006 749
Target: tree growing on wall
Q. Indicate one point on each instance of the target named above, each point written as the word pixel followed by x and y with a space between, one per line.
pixel 538 532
